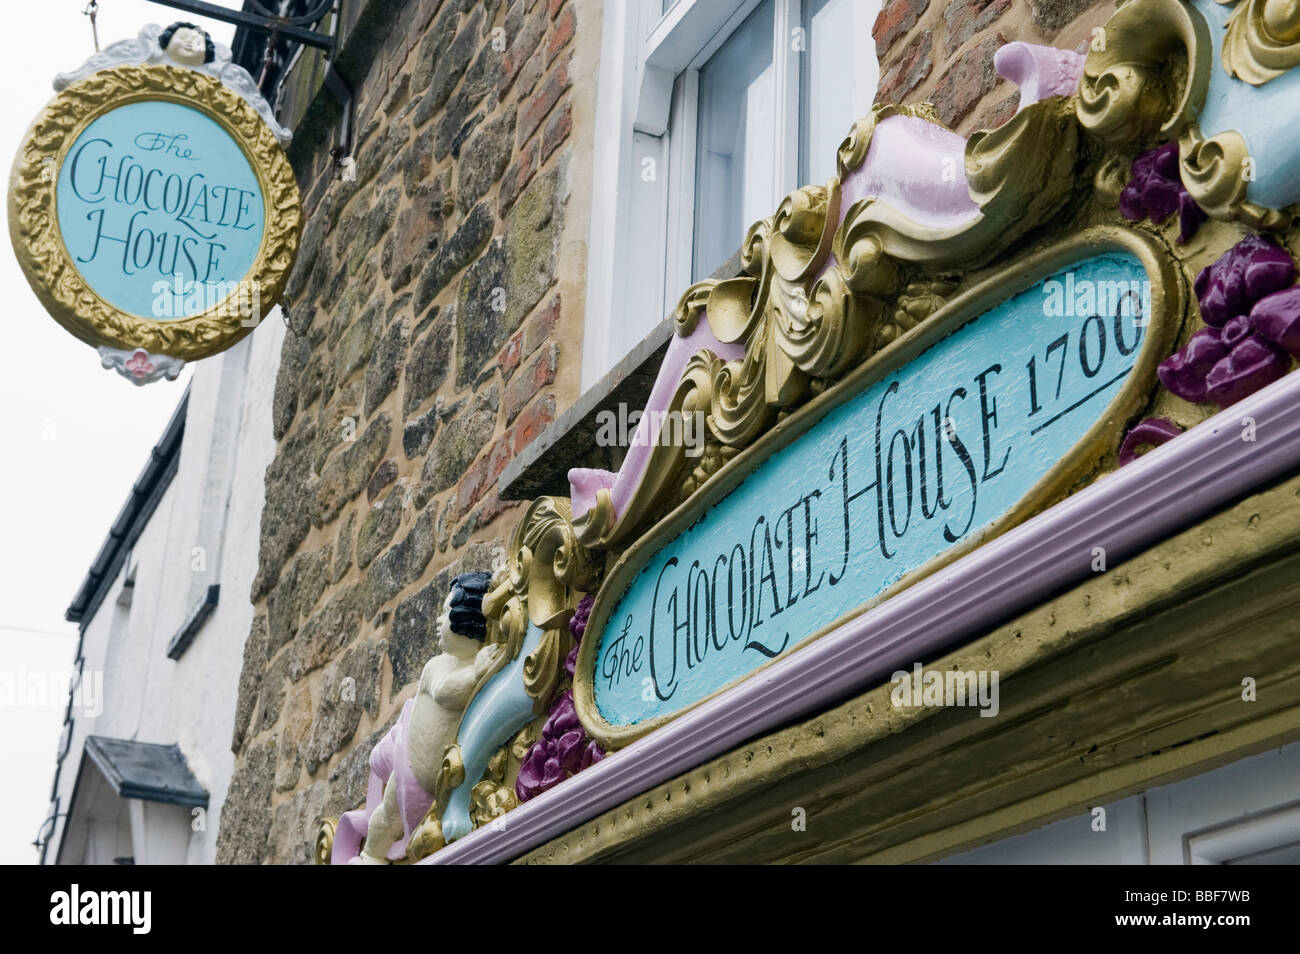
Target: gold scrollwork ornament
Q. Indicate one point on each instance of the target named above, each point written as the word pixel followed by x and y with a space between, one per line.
pixel 324 845
pixel 1150 77
pixel 1262 39
pixel 1018 175
pixel 427 836
pixel 854 148
pixel 451 775
pixel 1213 170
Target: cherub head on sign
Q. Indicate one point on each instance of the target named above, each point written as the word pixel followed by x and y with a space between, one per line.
pixel 187 44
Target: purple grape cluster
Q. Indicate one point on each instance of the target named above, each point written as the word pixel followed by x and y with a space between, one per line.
pixel 564 748
pixel 1155 191
pixel 1252 314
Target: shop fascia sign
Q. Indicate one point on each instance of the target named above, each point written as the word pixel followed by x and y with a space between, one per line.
pixel 994 407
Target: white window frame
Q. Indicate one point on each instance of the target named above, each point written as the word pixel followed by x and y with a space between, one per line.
pixel 1235 840
pixel 681 122
pixel 641 237
pixel 646 109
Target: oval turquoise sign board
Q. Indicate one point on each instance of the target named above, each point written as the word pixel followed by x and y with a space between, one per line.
pixel 159 209
pixel 995 409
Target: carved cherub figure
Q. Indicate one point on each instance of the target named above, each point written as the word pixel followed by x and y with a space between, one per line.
pixel 448 679
pixel 410 756
pixel 187 44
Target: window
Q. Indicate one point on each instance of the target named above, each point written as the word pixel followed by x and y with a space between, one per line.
pixel 708 113
pixel 1243 813
pixel 1269 838
pixel 838 82
pixel 735 168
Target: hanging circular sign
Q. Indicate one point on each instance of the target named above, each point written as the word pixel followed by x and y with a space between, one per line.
pixel 151 207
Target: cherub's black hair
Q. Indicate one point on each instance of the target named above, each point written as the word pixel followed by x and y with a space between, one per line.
pixel 209 50
pixel 466 610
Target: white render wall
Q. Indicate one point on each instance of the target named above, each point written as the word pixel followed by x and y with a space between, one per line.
pixel 148 697
pixel 1230 815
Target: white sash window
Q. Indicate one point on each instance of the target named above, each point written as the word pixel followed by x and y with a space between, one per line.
pixel 708 112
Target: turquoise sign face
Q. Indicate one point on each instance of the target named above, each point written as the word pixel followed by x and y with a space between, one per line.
pixel 905 470
pixel 160 210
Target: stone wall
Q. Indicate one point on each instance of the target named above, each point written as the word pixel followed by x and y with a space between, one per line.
pixel 943 52
pixel 434 329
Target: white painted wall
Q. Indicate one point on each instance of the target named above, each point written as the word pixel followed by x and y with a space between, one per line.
pixel 214 501
pixel 1243 813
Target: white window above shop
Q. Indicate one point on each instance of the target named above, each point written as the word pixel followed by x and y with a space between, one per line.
pixel 708 113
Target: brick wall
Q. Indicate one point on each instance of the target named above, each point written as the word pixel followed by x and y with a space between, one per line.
pixel 435 327
pixel 943 53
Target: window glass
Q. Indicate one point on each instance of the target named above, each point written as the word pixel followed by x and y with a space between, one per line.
pixel 735 154
pixel 838 50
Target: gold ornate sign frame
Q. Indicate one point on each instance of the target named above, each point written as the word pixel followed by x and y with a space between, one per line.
pixel 38 243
